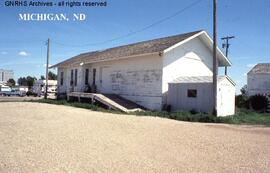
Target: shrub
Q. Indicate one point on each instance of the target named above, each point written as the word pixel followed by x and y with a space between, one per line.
pixel 258 103
pixel 241 101
pixel 31 93
pixel 193 111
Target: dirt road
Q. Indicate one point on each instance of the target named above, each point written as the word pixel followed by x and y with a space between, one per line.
pixel 49 138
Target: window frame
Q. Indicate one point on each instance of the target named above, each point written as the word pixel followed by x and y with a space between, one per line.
pixel 76 77
pixel 86 78
pixel 61 78
pixel 192 93
pixel 94 76
pixel 71 77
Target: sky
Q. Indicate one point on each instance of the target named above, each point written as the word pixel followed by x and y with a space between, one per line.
pixel 23 48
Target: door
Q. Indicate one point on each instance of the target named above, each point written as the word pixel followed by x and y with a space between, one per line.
pixel 105 81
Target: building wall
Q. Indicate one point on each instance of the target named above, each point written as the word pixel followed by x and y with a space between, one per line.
pixel 225 98
pixel 138 79
pixel 5 75
pixel 258 84
pixel 62 88
pixel 192 58
pixel 179 100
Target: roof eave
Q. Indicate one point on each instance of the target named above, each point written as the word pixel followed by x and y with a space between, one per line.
pixel 183 41
pixel 230 79
pixel 221 56
pixel 119 58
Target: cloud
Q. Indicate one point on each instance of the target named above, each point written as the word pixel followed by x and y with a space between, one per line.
pixel 23 53
pixel 17 63
pixel 4 53
pixel 44 65
pixel 251 65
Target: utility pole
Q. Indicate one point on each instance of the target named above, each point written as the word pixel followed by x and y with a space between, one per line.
pixel 47 68
pixel 226 45
pixel 215 72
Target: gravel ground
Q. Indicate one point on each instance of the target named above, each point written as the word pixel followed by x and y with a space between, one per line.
pixel 17 98
pixel 50 138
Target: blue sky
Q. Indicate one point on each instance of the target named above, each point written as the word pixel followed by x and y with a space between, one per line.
pixel 23 49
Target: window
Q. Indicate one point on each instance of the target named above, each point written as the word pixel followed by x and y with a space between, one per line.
pixel 71 78
pixel 62 78
pixel 76 77
pixel 86 76
pixel 94 76
pixel 192 93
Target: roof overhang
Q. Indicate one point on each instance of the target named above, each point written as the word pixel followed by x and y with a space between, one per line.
pixel 80 61
pixel 223 60
pixel 200 79
pixel 230 80
pixel 204 37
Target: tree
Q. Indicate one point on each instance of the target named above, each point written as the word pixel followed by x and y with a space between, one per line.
pixel 22 81
pixel 242 100
pixel 42 77
pixel 11 82
pixel 27 81
pixel 30 81
pixel 52 76
pixel 244 90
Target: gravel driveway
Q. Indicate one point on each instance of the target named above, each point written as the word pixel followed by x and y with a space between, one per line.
pixel 50 138
pixel 17 98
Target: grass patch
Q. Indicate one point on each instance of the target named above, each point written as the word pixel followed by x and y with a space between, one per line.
pixel 242 116
pixel 182 116
pixel 245 116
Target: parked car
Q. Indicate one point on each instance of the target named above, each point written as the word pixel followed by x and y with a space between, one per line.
pixel 14 92
pixel 5 90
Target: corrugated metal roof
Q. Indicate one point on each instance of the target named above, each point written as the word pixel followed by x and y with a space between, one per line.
pixel 260 68
pixel 199 79
pixel 145 47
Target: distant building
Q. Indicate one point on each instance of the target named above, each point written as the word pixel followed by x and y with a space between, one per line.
pixel 3 83
pixel 258 79
pixel 5 75
pixel 39 86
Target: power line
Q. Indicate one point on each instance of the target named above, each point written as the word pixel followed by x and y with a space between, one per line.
pixel 137 31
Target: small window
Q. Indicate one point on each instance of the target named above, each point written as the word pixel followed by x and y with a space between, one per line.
pixel 62 78
pixel 71 78
pixel 94 76
pixel 76 77
pixel 192 93
pixel 86 76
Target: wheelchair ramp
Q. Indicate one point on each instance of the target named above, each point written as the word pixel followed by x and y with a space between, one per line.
pixel 112 101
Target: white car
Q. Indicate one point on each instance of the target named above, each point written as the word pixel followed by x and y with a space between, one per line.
pixel 15 93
